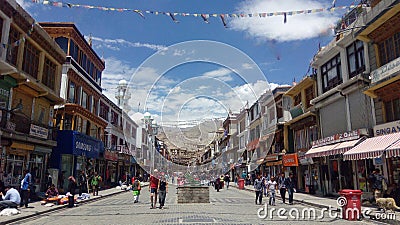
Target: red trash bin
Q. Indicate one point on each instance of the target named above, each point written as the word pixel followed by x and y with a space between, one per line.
pixel 241 184
pixel 350 201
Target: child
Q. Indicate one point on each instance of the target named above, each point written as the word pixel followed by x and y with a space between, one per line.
pixel 272 186
pixel 136 190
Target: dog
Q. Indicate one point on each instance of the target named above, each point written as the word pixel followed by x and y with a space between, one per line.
pixel 9 212
pixel 387 204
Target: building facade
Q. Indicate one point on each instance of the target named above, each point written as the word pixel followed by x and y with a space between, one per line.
pixel 30 70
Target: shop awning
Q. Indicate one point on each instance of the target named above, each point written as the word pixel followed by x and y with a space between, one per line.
pixel 20 145
pixel 321 151
pixel 372 147
pixel 333 149
pixel 393 150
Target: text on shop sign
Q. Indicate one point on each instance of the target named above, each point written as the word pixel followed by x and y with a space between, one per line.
pixel 346 136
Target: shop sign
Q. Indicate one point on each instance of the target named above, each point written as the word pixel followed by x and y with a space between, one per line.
pixel 385 70
pixel 124 150
pixel 110 155
pixel 38 131
pixel 269 158
pixel 290 160
pixel 303 160
pixel 346 136
pixel 378 161
pixel 387 128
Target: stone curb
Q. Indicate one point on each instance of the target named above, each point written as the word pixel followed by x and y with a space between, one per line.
pixel 60 207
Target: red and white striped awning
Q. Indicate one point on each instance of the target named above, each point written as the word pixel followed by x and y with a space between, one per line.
pixel 393 150
pixel 333 149
pixel 321 151
pixel 372 147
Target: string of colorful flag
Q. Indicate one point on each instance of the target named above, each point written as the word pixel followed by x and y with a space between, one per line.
pixel 204 16
pixel 22 39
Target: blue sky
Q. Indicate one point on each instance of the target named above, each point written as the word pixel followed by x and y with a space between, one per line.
pixel 282 51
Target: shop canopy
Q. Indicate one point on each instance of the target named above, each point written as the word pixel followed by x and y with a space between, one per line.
pixel 372 147
pixel 393 150
pixel 333 149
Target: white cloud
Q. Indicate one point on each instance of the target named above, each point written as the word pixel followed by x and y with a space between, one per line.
pixel 247 66
pixel 297 27
pixel 221 74
pixel 114 43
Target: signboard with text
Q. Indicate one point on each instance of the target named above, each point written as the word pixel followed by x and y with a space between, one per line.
pixel 385 71
pixel 387 128
pixel 346 136
pixel 38 131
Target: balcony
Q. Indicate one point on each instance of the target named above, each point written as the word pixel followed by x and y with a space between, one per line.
pixel 296 111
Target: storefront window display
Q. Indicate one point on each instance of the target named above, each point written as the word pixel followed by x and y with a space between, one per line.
pixel 14 168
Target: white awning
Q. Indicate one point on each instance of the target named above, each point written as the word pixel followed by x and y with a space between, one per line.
pixel 333 149
pixel 393 150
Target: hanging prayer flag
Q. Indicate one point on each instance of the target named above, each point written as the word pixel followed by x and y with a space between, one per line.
pixel 205 18
pixel 173 17
pixel 139 12
pixel 284 18
pixel 223 20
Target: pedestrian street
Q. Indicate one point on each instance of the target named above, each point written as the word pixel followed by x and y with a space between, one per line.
pixel 231 206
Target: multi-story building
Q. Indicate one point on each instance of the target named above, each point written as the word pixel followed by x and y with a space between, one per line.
pixel 300 132
pixel 81 127
pixel 274 116
pixel 229 144
pixel 344 112
pixel 241 168
pixel 30 72
pixel 254 157
pixel 380 31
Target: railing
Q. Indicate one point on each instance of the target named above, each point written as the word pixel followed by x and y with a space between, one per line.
pixel 21 123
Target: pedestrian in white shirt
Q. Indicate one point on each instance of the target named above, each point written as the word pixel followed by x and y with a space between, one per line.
pixel 11 199
pixel 272 186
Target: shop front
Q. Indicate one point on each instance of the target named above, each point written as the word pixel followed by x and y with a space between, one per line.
pixel 290 164
pixel 335 174
pixel 273 164
pixel 74 152
pixel 111 158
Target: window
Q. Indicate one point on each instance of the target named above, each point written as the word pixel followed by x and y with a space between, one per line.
pixel 309 96
pixel 133 132
pixel 300 139
pixel 85 126
pixel 242 126
pixel 71 92
pixel 297 99
pixel 103 111
pixel 84 100
pixel 90 103
pixel 271 114
pixel 63 43
pixel 331 73
pixel 12 51
pixel 392 110
pixel 31 60
pixel 114 118
pixel 49 73
pixel 389 49
pixel 73 50
pixel 355 55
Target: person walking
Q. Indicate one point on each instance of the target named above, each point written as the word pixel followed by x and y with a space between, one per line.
pixel 25 188
pixel 162 190
pixel 96 179
pixel 258 187
pixel 82 183
pixel 136 187
pixel 272 186
pixel 282 186
pixel 71 190
pixel 227 179
pixel 11 200
pixel 290 185
pixel 153 189
pixel 217 184
pixel 379 183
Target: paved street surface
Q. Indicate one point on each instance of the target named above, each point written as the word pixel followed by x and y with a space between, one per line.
pixel 227 207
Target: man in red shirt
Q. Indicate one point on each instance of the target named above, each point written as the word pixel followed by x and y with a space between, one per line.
pixel 153 189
